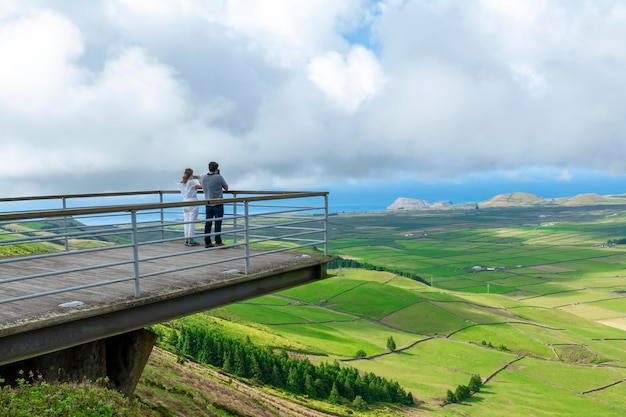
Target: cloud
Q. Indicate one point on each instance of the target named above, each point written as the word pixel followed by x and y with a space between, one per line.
pixel 347 80
pixel 36 51
pixel 123 95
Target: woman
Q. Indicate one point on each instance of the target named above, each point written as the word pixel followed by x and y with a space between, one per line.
pixel 189 186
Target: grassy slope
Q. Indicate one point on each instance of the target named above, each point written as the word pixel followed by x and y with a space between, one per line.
pixel 175 387
pixel 429 361
pixel 548 331
pixel 184 388
pixel 545 315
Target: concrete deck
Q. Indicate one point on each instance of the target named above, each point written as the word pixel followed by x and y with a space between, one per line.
pixel 40 325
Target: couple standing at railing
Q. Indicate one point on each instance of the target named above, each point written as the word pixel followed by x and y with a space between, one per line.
pixel 214 186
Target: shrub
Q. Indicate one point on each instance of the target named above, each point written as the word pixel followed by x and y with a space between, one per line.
pixel 66 399
pixel 360 354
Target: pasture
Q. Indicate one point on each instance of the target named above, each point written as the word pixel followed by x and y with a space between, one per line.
pixel 528 298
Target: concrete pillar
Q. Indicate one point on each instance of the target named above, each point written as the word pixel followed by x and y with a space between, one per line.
pixel 121 358
pixel 126 356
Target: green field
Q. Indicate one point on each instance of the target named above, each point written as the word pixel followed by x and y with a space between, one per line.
pixel 531 299
pixel 542 321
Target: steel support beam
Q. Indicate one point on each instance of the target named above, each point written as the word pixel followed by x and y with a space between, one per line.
pixel 112 321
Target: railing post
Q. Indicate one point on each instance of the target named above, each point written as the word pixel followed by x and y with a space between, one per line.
pixel 67 243
pixel 133 216
pixel 235 219
pixel 325 224
pixel 163 216
pixel 246 233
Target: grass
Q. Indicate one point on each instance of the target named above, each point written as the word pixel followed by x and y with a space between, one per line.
pixel 548 331
pixel 424 318
pixel 34 397
pixel 374 333
pixel 507 337
pixel 372 300
pixel 538 397
pixel 536 308
pixel 432 367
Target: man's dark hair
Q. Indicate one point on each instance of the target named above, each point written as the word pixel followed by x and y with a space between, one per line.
pixel 213 166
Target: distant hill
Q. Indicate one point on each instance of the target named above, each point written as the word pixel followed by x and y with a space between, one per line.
pixel 515 199
pixel 586 199
pixel 403 203
pixel 519 199
pixel 512 199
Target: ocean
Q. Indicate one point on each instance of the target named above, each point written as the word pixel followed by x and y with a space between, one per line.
pixel 378 196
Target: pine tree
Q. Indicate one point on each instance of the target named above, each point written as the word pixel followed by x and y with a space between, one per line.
pixel 451 397
pixel 247 360
pixel 277 377
pixel 348 392
pixel 475 383
pixel 359 403
pixel 391 344
pixel 173 339
pixel 462 393
pixel 293 384
pixel 334 396
pixel 309 386
pixel 227 363
pixel 321 388
pixel 239 363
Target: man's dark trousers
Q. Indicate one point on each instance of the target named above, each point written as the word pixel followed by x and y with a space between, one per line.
pixel 212 212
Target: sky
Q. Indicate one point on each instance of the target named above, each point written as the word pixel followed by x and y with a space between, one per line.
pixel 123 95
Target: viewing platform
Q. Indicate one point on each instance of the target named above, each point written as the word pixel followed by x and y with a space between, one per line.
pixel 82 269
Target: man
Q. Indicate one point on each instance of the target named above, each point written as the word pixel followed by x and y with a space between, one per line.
pixel 214 186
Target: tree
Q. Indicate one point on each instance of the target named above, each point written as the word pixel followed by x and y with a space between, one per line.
pixel 359 403
pixel 475 383
pixel 309 386
pixel 281 371
pixel 239 362
pixel 451 397
pixel 293 380
pixel 276 378
pixel 173 340
pixel 462 393
pixel 227 363
pixel 321 389
pixel 348 392
pixel 360 354
pixel 334 396
pixel 255 369
pixel 391 344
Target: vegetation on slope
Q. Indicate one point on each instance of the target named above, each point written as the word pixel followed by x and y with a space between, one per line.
pixel 38 398
pixel 547 332
pixel 176 385
pixel 330 382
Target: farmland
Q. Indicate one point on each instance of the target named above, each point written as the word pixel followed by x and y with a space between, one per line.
pixel 530 299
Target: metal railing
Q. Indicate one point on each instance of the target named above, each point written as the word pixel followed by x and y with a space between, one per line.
pixel 47 228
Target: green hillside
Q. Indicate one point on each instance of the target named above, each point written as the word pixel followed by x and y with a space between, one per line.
pixel 531 299
pixel 542 320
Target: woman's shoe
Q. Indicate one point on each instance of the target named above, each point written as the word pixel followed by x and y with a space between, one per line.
pixel 192 243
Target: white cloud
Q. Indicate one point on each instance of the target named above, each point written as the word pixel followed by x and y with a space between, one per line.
pixel 348 80
pixel 36 53
pixel 157 9
pixel 135 91
pixel 529 79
